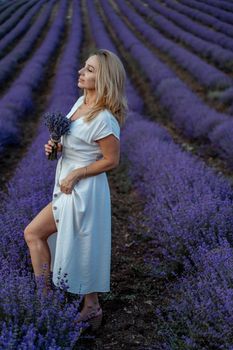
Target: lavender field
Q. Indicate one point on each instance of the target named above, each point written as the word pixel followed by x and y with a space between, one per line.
pixel 172 194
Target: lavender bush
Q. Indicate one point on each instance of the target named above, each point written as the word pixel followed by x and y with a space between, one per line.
pixel 199 313
pixel 188 211
pixel 31 319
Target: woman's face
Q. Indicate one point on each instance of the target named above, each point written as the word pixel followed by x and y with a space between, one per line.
pixel 88 73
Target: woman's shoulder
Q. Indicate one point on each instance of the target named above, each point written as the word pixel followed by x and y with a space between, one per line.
pixel 107 116
pixel 105 124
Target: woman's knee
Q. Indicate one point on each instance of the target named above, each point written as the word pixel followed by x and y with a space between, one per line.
pixel 41 227
pixel 29 234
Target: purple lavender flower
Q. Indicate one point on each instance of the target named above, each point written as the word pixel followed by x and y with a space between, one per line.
pixel 58 125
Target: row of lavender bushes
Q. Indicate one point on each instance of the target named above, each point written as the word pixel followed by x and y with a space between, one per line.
pixel 188 112
pixel 7 8
pixel 4 5
pixel 222 15
pixel 207 75
pixel 25 45
pixel 28 320
pixel 192 26
pixel 202 73
pixel 221 4
pixel 222 57
pixel 20 28
pixel 18 102
pixel 8 25
pixel 188 214
pixel 201 16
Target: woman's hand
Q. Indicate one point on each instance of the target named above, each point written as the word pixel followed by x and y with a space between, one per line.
pixel 48 147
pixel 68 183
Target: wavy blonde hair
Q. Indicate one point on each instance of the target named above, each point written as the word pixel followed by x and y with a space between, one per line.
pixel 110 86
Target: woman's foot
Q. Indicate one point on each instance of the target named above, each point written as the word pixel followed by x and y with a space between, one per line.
pixel 92 314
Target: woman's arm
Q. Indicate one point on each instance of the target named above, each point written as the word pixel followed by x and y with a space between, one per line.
pixel 110 147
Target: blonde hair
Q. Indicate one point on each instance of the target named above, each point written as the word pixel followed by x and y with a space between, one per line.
pixel 110 86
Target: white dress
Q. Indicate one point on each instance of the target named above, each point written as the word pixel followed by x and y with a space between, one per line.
pixel 81 247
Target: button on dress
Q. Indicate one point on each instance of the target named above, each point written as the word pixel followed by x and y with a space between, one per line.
pixel 81 247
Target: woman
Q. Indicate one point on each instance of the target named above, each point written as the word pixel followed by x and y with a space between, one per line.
pixel 72 234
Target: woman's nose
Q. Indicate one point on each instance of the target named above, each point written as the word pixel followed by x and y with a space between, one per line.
pixel 81 70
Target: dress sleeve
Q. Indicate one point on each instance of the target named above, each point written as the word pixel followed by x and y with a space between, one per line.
pixel 106 125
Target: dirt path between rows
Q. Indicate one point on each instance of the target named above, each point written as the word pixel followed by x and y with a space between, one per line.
pixel 129 321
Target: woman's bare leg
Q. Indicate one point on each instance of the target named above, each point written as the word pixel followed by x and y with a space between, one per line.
pixel 36 235
pixel 91 299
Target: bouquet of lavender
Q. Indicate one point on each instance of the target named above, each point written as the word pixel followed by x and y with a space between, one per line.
pixel 58 125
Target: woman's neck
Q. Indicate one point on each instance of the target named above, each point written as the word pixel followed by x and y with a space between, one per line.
pixel 90 99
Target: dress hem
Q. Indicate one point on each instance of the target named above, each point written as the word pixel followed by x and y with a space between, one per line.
pixel 88 291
